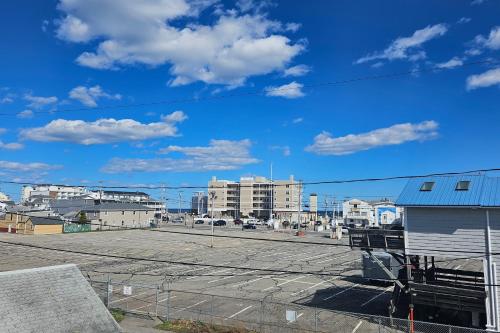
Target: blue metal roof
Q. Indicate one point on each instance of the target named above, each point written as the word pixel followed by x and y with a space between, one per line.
pixel 444 192
pixel 491 192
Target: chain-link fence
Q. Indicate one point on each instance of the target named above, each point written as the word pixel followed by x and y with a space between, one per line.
pixel 258 315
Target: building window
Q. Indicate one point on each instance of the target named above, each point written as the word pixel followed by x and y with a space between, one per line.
pixel 427 186
pixel 123 212
pixel 355 205
pixel 134 212
pixel 462 185
pixel 123 223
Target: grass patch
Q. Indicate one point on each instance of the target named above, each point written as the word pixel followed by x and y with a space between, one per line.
pixel 118 314
pixel 190 326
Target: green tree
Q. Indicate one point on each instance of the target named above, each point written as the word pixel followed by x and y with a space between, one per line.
pixel 83 218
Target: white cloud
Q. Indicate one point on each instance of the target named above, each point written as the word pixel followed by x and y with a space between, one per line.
pixel 285 150
pixel 290 90
pixel 7 99
pixel 325 144
pixel 38 102
pixel 102 131
pixel 26 114
pixel 175 117
pixel 27 167
pixel 218 155
pixel 491 42
pixel 11 145
pixel 293 27
pixel 452 63
pixel 2 130
pixel 297 120
pixel 486 79
pixel 299 70
pixel 477 2
pixel 89 96
pixel 464 20
pixel 236 46
pixel 407 47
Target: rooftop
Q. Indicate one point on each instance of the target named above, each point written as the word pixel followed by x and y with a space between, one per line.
pixel 52 299
pixel 461 190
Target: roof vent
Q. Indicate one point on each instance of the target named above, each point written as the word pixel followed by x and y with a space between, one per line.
pixel 427 186
pixel 462 185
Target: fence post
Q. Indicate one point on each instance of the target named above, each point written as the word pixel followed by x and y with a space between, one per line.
pixel 261 317
pixel 315 319
pixel 108 291
pixel 212 310
pixel 167 304
pixel 156 306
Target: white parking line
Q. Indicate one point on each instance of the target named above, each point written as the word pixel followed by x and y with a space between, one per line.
pixel 331 259
pixel 340 292
pixel 314 285
pixel 209 274
pixel 377 296
pixel 191 306
pixel 240 274
pixel 159 301
pixel 237 313
pixel 133 296
pixel 357 326
pixel 283 283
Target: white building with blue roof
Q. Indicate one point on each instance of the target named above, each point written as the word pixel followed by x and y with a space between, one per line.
pixel 457 217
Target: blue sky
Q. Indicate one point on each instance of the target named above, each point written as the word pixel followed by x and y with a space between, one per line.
pixel 70 67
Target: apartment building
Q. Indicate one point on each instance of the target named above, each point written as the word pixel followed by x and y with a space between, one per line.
pixel 199 203
pixel 51 192
pixel 254 197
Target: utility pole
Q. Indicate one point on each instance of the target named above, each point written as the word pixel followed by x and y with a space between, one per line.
pixel 212 198
pixel 300 204
pixel 180 206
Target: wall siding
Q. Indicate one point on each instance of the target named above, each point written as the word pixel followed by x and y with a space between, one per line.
pixel 446 229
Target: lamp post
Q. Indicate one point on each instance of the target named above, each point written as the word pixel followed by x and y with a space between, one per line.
pixel 212 198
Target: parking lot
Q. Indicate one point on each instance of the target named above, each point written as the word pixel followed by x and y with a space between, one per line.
pixel 233 276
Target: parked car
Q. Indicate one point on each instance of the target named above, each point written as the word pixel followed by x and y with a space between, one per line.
pixel 345 230
pixel 219 223
pixel 238 222
pixel 199 222
pixel 178 220
pixel 295 225
pixel 318 223
pixel 285 224
pixel 249 226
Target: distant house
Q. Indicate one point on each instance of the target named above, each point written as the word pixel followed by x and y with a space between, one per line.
pixel 357 213
pixel 38 225
pixel 112 215
pixel 456 217
pixel 54 299
pixel 20 223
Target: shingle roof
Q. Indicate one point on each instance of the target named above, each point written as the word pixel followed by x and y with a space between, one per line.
pixel 483 192
pixel 116 206
pixel 48 220
pixel 54 299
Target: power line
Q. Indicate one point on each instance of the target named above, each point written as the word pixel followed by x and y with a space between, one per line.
pixel 281 184
pixel 260 92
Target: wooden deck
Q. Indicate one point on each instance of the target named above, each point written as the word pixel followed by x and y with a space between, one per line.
pixel 377 239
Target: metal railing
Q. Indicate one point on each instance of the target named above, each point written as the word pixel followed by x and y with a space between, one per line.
pixel 263 315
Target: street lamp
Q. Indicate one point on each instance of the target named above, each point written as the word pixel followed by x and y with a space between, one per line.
pixel 212 198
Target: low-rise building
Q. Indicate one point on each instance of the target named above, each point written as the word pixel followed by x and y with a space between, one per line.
pixel 113 215
pixel 22 223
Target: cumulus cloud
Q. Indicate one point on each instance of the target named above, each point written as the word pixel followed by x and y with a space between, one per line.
pixel 38 102
pixel 492 41
pixel 290 90
pixel 27 167
pixel 407 47
pixel 325 144
pixel 236 46
pixel 452 63
pixel 464 20
pixel 285 150
pixel 218 155
pixel 11 145
pixel 299 70
pixel 7 99
pixel 89 96
pixel 297 120
pixel 26 114
pixel 486 79
pixel 103 131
